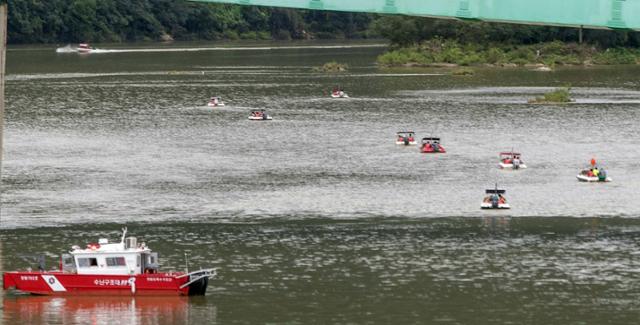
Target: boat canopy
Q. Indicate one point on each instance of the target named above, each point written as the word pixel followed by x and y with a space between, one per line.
pixel 257 110
pixel 509 154
pixel 405 132
pixel 431 139
pixel 495 191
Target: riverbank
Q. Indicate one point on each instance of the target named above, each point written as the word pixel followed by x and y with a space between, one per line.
pixel 449 53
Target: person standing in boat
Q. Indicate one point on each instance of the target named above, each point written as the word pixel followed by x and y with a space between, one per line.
pixel 516 162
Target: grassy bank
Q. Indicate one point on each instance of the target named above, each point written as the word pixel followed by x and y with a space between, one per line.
pixel 448 52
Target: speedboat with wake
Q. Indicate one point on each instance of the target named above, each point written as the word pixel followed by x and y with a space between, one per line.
pixel 103 268
pixel 495 199
pixel 260 115
pixel 406 138
pixel 84 48
pixel 215 101
pixel 511 160
pixel 431 145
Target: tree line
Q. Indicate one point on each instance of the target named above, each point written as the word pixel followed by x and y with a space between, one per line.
pixel 72 21
pixel 56 21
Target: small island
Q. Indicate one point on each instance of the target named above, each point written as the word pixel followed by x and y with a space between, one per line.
pixel 558 96
pixel 464 71
pixel 332 67
pixel 438 52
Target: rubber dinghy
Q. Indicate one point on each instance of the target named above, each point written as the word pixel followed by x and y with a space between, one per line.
pixel 588 176
pixel 511 160
pixel 406 138
pixel 495 200
pixel 260 115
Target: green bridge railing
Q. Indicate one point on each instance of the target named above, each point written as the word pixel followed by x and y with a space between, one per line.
pixel 613 14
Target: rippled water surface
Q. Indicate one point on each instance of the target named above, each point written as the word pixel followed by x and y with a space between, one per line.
pixel 317 216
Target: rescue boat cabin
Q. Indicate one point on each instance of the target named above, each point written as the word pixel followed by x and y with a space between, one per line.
pixel 124 258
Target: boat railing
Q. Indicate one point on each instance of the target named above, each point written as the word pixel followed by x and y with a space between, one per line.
pixel 197 275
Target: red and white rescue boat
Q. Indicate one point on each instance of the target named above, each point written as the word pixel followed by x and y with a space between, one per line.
pixel 260 115
pixel 432 145
pixel 124 268
pixel 215 101
pixel 511 160
pixel 406 138
pixel 495 200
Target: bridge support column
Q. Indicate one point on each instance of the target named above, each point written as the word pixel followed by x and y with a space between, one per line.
pixel 3 46
pixel 580 35
pixel 3 51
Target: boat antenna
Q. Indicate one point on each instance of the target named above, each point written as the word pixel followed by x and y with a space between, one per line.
pixel 186 263
pixel 124 233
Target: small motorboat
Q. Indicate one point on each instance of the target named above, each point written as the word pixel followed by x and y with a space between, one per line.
pixel 593 175
pixel 215 101
pixel 260 115
pixel 103 268
pixel 511 160
pixel 495 199
pixel 431 145
pixel 406 138
pixel 84 48
pixel 338 92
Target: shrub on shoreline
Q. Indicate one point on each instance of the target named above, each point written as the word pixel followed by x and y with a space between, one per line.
pixel 559 95
pixel 332 66
pixel 439 51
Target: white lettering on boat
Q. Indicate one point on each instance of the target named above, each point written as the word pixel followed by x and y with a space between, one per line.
pixel 28 278
pixel 160 279
pixel 111 282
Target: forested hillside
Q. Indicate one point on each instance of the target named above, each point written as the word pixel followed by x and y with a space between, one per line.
pixel 51 21
pixel 67 21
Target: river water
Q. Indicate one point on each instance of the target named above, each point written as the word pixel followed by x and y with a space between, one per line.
pixel 317 216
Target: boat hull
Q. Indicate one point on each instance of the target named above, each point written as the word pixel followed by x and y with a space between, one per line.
pixel 592 179
pixel 510 166
pixel 215 105
pixel 489 206
pixel 338 96
pixel 254 118
pixel 59 283
pixel 411 143
pixel 428 149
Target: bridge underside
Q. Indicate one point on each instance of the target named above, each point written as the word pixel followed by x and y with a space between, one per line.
pixel 600 14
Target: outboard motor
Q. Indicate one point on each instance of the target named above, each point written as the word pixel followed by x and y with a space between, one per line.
pixel 495 201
